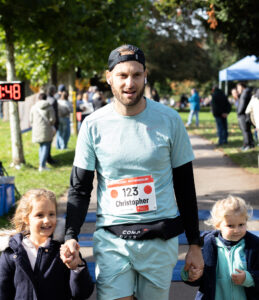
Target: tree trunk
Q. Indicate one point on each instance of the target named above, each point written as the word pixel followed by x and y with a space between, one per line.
pixel 54 74
pixel 16 137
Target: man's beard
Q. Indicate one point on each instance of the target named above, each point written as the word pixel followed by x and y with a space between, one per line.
pixel 133 102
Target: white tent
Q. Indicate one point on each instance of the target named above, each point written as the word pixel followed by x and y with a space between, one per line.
pixel 245 69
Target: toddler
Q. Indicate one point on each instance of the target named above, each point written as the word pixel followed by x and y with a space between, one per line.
pixel 231 255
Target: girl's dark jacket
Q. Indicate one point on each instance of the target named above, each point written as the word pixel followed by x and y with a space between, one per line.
pixel 207 282
pixel 50 280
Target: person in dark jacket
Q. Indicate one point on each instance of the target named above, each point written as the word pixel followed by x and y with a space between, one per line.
pixel 30 265
pixel 220 109
pixel 231 255
pixel 245 94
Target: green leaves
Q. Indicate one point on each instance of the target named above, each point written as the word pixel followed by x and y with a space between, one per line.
pixel 75 33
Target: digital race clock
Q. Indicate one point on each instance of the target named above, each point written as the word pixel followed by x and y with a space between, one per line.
pixel 13 90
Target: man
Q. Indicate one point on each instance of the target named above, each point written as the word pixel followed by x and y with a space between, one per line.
pixel 244 122
pixel 220 110
pixel 142 154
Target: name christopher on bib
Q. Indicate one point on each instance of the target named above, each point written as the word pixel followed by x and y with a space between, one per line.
pixel 132 195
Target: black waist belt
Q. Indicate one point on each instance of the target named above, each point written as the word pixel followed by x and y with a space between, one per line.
pixel 164 229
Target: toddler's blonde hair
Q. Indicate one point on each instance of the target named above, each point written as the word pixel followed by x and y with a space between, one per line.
pixel 227 207
pixel 25 206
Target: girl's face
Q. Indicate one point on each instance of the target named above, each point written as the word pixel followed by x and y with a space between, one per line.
pixel 233 228
pixel 42 220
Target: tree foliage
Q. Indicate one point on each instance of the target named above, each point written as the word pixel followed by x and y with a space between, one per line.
pixel 237 20
pixel 75 33
pixel 175 48
pixel 82 32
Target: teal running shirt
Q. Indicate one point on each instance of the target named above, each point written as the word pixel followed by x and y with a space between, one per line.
pixel 133 157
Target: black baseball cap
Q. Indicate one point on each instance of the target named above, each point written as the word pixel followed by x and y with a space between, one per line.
pixel 115 56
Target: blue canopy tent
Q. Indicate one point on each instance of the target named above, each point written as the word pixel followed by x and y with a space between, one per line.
pixel 245 69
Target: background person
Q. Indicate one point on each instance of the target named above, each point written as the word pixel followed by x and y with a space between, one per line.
pixel 61 88
pixel 86 106
pixel 234 98
pixel 30 266
pixel 98 100
pixel 65 108
pixel 183 101
pixel 231 255
pixel 253 110
pixel 220 107
pixel 42 118
pixel 194 101
pixel 142 153
pixel 244 122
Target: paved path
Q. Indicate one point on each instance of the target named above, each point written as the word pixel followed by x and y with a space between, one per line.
pixel 215 177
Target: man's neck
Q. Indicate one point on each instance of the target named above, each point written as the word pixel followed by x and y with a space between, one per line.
pixel 130 110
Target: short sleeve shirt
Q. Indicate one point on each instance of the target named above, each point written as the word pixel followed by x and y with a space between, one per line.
pixel 147 145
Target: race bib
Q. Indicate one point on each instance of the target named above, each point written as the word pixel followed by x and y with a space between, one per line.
pixel 132 195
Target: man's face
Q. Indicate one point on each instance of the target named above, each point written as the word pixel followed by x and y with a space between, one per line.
pixel 127 82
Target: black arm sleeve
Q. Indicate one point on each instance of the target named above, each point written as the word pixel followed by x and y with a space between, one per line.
pixel 186 200
pixel 81 185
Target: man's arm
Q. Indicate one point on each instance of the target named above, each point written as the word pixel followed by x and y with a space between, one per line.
pixel 187 203
pixel 186 200
pixel 81 185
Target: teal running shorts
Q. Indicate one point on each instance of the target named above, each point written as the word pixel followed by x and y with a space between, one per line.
pixel 129 267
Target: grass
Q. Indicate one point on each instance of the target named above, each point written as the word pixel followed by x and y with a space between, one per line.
pixel 57 179
pixel 207 129
pixel 28 176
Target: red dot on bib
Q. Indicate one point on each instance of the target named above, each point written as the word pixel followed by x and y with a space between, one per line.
pixel 147 189
pixel 114 194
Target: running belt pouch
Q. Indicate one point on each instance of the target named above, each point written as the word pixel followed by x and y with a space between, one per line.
pixel 163 229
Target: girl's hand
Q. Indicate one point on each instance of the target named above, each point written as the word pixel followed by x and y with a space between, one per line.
pixel 69 253
pixel 239 278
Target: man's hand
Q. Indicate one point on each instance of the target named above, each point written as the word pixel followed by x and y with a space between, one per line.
pixel 239 278
pixel 69 253
pixel 194 263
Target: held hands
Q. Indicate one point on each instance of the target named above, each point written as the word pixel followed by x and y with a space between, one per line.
pixel 69 254
pixel 194 263
pixel 239 278
pixel 194 274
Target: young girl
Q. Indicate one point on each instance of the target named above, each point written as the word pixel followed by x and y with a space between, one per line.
pixel 30 266
pixel 231 255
